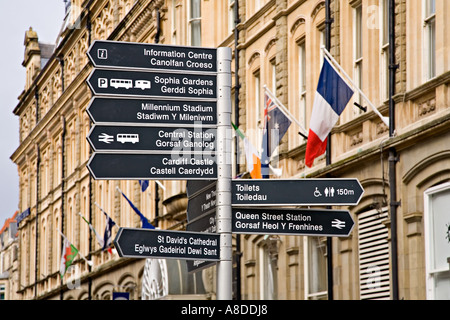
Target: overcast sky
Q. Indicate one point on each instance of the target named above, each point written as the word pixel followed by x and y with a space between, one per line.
pixel 16 17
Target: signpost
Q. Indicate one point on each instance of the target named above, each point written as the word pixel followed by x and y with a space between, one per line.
pixel 142 93
pixel 145 138
pixel 152 111
pixel 148 103
pixel 296 192
pixel 131 55
pixel 151 243
pixel 201 213
pixel 333 223
pixel 114 82
pixel 144 166
pixel 202 202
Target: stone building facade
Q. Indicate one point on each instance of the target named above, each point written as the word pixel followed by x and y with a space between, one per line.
pixel 399 245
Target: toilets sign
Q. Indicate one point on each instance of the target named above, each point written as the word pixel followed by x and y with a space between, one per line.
pixel 266 192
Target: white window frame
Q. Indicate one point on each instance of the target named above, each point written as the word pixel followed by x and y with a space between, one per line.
pixel 268 286
pixel 310 294
pixel 192 21
pixel 384 45
pixel 231 16
pixel 358 53
pixel 429 37
pixel 302 81
pixel 430 271
pixel 257 95
pixel 173 25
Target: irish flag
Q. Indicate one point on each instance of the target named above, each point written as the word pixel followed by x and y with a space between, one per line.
pixel 69 253
pixel 251 156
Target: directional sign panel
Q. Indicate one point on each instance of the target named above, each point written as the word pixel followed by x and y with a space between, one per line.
pixel 151 243
pixel 139 138
pixel 204 223
pixel 116 166
pixel 332 223
pixel 201 203
pixel 296 192
pixel 154 56
pixel 152 111
pixel 152 84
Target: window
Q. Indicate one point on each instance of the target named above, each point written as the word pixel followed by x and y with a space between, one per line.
pixel 231 15
pixel 315 268
pixel 437 241
pixel 268 256
pixel 430 38
pixel 302 81
pixel 256 95
pixel 195 26
pixel 373 247
pixel 174 22
pixel 384 36
pixel 357 53
pixel 322 38
pixel 273 76
pixel 2 292
pixel 258 4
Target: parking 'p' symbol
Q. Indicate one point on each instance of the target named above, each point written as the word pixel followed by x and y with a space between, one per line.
pixel 102 83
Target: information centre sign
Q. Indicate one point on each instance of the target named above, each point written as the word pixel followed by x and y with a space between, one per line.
pixel 131 55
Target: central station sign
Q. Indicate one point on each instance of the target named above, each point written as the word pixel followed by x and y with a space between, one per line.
pixel 140 138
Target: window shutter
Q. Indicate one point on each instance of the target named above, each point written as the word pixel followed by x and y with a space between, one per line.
pixel 373 249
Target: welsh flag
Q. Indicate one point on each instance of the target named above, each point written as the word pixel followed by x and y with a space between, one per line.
pixel 68 254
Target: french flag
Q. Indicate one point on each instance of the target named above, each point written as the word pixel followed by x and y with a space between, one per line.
pixel 332 96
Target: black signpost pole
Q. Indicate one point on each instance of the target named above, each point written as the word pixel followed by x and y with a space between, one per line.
pixel 328 22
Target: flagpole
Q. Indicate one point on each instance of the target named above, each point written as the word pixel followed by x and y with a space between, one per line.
pixel 334 63
pixel 286 112
pixel 101 209
pixel 160 184
pixel 91 227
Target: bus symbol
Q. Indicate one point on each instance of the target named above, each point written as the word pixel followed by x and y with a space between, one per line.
pixel 121 83
pixel 143 84
pixel 127 137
